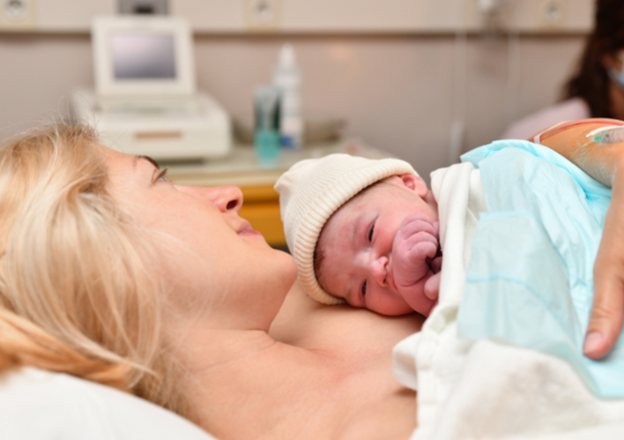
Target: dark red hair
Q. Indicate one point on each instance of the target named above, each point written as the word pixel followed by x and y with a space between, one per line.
pixel 591 81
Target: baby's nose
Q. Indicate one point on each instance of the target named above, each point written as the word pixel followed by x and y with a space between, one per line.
pixel 379 270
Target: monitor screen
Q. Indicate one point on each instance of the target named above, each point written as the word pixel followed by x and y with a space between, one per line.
pixel 143 56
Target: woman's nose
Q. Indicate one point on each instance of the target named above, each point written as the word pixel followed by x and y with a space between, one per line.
pixel 379 270
pixel 226 198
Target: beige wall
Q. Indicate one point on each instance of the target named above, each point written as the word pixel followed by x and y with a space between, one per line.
pixel 397 92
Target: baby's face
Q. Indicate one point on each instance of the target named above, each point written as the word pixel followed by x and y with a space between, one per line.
pixel 356 243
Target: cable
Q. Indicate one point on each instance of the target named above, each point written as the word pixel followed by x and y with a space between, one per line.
pixel 458 127
pixel 514 64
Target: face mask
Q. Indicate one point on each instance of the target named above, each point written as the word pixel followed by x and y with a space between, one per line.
pixel 617 76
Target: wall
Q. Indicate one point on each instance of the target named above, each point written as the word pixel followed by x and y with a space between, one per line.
pixel 396 92
pixel 318 16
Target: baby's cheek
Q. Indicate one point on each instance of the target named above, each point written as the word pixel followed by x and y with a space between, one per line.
pixel 389 304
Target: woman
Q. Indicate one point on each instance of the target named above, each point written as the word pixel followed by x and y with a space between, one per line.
pixel 113 274
pixel 596 90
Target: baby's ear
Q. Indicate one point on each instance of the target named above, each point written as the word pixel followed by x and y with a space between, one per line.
pixel 411 182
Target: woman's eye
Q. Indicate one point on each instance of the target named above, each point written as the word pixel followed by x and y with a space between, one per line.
pixel 161 176
pixel 364 288
pixel 370 234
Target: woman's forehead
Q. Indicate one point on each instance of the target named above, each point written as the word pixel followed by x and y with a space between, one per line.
pixel 113 157
pixel 121 162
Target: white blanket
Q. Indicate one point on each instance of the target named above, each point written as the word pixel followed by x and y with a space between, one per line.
pixel 484 389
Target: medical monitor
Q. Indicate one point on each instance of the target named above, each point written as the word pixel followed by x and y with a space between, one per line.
pixel 142 56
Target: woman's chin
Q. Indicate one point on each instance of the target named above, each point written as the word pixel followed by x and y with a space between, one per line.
pixel 290 267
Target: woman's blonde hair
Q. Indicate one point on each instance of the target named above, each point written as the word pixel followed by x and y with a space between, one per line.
pixel 75 294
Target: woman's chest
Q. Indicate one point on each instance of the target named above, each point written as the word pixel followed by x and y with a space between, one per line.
pixel 315 399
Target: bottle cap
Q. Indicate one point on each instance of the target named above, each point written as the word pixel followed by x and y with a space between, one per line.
pixel 287 56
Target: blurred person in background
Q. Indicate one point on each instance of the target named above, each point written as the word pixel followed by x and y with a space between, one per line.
pixel 596 90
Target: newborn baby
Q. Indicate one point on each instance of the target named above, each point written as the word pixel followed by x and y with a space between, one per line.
pixel 380 249
pixel 363 231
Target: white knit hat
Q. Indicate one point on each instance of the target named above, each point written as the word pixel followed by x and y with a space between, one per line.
pixel 311 191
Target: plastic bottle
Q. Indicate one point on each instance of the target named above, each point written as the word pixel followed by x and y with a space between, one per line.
pixel 287 76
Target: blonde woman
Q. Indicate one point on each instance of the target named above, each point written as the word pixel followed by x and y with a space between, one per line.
pixel 77 298
pixel 112 275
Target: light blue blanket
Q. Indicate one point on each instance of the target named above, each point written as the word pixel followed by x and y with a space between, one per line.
pixel 530 280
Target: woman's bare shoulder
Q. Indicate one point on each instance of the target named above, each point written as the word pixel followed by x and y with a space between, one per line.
pixel 305 323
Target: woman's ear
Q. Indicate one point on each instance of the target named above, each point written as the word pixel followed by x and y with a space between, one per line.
pixel 411 182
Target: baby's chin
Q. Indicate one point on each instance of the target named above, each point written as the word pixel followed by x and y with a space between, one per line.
pixel 395 310
pixel 420 303
pixel 426 315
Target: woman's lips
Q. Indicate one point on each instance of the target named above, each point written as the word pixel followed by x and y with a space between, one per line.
pixel 247 230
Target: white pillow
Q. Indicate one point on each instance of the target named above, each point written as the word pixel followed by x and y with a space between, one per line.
pixel 37 405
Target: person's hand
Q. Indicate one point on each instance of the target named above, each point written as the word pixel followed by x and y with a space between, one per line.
pixel 415 262
pixel 607 314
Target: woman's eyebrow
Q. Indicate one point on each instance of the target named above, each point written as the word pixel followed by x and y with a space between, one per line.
pixel 147 158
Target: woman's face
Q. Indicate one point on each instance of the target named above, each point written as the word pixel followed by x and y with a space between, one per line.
pixel 210 259
pixel 614 64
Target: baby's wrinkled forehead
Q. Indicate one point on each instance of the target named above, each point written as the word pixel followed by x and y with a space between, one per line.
pixel 341 218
